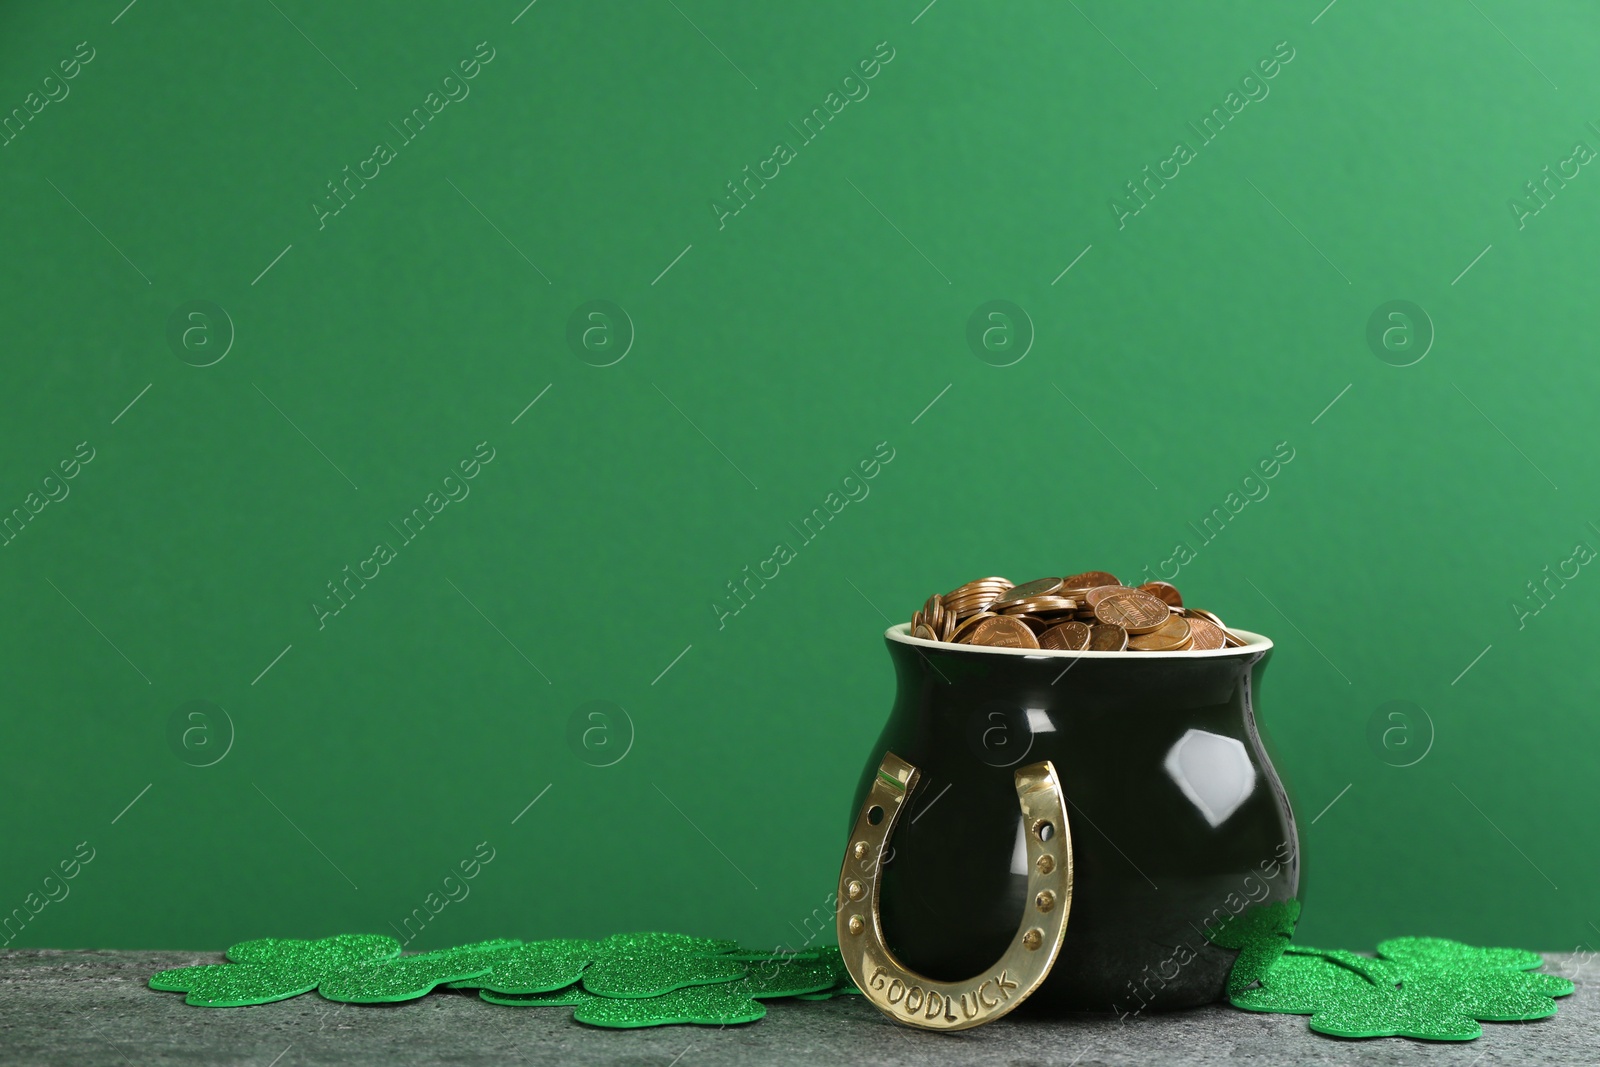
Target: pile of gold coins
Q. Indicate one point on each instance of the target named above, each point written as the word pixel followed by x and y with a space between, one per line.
pixel 1088 612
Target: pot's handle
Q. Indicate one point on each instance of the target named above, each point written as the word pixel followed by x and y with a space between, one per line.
pixel 910 998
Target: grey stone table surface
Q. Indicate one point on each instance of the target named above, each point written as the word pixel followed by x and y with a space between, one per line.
pixel 92 1008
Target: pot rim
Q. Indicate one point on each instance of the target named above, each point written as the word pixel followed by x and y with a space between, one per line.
pixel 1254 643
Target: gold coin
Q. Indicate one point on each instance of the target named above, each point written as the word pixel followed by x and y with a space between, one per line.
pixel 1164 591
pixel 1136 612
pixel 1173 626
pixel 1099 593
pixel 1172 631
pixel 1039 605
pixel 966 625
pixel 981 583
pixel 974 592
pixel 1088 580
pixel 977 590
pixel 1003 631
pixel 1170 636
pixel 1067 637
pixel 1107 637
pixel 1206 633
pixel 1090 611
pixel 1029 590
pixel 971 603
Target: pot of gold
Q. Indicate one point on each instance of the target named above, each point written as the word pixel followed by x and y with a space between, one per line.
pixel 1069 804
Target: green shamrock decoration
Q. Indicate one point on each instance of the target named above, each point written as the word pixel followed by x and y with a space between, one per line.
pixel 410 977
pixel 1427 988
pixel 788 978
pixel 652 974
pixel 1418 987
pixel 1376 971
pixel 273 968
pixel 652 964
pixel 1260 933
pixel 842 986
pixel 369 969
pixel 1304 978
pixel 1510 997
pixel 570 997
pixel 535 967
pixel 622 965
pixel 1439 953
pixel 756 955
pixel 711 1004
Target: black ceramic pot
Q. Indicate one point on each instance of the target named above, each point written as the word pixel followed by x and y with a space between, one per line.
pixel 1179 824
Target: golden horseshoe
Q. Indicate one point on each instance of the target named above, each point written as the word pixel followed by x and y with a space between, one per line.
pixel 910 998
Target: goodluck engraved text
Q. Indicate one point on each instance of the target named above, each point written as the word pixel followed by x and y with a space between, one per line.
pixel 931 1004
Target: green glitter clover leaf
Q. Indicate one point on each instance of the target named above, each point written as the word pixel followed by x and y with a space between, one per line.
pixel 1419 1010
pixel 756 955
pixel 842 983
pixel 724 1004
pixel 707 1005
pixel 1507 998
pixel 1443 1007
pixel 652 974
pixel 1303 979
pixel 1440 953
pixel 340 951
pixel 413 976
pixel 1260 933
pixel 1377 971
pixel 720 1004
pixel 651 941
pixel 775 978
pixel 1425 988
pixel 666 977
pixel 273 968
pixel 536 967
pixel 622 965
pixel 827 955
pixel 1296 985
pixel 570 997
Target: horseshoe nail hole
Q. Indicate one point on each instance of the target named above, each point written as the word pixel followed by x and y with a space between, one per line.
pixel 1033 939
pixel 875 815
pixel 1046 864
pixel 1044 829
pixel 1045 900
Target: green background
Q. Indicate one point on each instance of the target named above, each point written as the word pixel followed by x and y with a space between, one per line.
pixel 771 354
